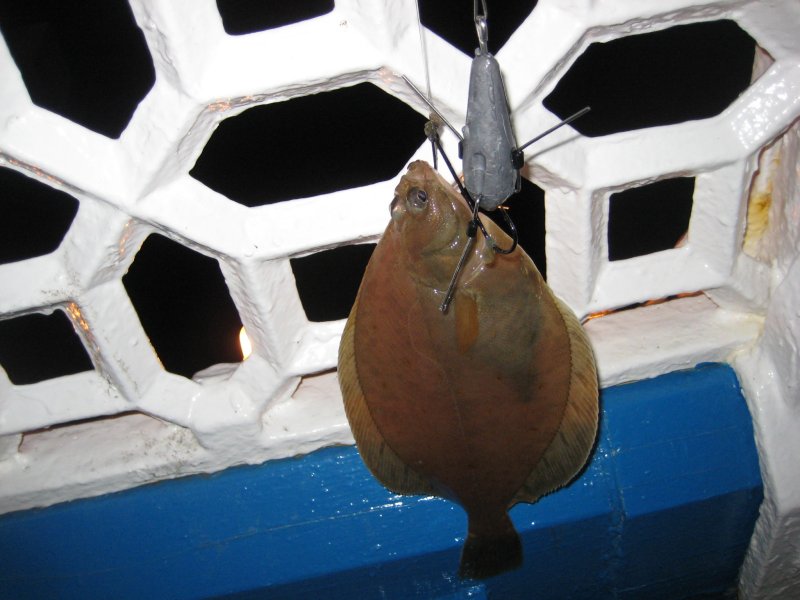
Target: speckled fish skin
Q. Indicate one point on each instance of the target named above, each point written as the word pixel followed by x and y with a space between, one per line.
pixel 492 403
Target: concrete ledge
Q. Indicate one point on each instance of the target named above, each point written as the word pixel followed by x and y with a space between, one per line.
pixel 665 509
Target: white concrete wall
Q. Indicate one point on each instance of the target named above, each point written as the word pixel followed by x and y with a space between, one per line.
pixel 276 403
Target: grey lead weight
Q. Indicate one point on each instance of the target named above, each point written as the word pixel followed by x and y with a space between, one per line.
pixel 490 175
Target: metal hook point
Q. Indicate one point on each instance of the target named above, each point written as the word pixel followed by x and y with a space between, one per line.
pixel 472 230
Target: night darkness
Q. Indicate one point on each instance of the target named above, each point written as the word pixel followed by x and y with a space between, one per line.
pixel 88 62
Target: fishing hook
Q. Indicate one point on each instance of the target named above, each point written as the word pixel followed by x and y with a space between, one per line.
pixel 491 158
pixel 472 230
pixel 473 205
pixel 472 227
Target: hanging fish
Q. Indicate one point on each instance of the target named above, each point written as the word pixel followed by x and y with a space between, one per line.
pixel 493 402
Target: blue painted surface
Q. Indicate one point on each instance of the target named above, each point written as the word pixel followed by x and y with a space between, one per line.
pixel 665 509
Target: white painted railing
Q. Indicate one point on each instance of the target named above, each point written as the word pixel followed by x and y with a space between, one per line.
pixel 284 399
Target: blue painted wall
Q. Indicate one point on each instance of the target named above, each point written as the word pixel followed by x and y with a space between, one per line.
pixel 665 509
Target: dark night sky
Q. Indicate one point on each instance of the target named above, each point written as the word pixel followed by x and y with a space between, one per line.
pixel 88 62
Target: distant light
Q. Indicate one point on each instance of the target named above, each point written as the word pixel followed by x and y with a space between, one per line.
pixel 244 344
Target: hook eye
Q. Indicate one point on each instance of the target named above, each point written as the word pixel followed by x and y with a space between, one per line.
pixel 417 198
pixel 481 28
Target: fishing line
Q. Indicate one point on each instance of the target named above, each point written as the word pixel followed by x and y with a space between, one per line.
pixel 424 48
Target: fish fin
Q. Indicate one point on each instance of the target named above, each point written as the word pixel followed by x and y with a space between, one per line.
pixel 575 438
pixel 381 460
pixel 466 321
pixel 489 553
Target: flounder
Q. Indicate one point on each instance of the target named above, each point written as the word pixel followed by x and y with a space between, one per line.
pixel 492 403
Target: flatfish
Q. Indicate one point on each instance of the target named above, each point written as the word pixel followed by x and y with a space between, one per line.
pixel 493 402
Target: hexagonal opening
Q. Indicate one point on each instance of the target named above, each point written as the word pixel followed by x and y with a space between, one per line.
pixel 87 61
pixel 35 219
pixel 310 145
pixel 184 306
pixel 240 17
pixel 328 281
pixel 37 347
pixel 453 20
pixel 526 209
pixel 665 77
pixel 649 218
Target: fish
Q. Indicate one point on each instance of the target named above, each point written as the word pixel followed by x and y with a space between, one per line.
pixel 492 403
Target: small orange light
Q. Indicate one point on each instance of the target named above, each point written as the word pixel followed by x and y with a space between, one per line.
pixel 244 344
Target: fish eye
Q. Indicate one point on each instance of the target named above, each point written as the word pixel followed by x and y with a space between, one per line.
pixel 416 197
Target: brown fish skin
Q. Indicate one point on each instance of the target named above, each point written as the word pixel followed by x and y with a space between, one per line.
pixel 494 402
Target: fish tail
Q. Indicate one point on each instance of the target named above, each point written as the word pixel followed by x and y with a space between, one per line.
pixel 489 551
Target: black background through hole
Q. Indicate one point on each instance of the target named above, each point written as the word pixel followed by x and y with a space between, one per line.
pixel 678 74
pixel 328 281
pixel 37 347
pixel 310 145
pixel 650 218
pixel 453 21
pixel 86 61
pixel 35 216
pixel 184 306
pixel 249 16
